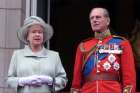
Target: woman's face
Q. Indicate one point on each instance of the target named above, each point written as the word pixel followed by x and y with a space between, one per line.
pixel 35 35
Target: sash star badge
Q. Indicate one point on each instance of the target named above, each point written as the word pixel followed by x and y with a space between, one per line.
pixel 106 66
pixel 111 58
pixel 116 66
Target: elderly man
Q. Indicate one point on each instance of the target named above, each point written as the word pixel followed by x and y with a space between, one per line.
pixel 105 63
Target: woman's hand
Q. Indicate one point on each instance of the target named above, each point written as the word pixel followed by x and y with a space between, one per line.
pixel 45 79
pixel 30 80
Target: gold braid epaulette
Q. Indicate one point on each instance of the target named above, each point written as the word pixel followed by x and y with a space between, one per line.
pixel 81 45
pixel 115 36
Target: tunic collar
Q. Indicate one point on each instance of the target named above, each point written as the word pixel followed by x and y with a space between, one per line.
pixel 102 35
pixel 29 53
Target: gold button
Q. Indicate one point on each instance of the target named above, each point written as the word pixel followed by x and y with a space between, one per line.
pixel 125 91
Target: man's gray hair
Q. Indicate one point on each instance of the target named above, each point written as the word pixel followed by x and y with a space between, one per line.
pixel 106 13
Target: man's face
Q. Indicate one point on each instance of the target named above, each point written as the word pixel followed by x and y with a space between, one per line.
pixel 99 22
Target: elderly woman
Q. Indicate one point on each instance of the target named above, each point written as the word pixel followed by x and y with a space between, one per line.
pixel 35 69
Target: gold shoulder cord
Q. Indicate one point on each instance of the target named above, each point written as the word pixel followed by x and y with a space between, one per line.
pixel 86 53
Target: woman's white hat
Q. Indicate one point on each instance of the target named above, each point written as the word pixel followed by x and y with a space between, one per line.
pixel 32 20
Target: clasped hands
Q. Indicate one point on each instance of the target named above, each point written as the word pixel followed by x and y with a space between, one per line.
pixel 35 80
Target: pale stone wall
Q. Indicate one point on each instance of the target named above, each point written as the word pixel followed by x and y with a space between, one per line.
pixel 11 14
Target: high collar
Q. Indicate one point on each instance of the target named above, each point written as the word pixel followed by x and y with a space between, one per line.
pixel 29 53
pixel 102 35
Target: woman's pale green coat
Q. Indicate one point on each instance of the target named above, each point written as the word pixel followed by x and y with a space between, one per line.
pixel 25 63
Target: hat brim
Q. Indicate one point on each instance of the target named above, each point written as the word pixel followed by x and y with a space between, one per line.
pixel 22 32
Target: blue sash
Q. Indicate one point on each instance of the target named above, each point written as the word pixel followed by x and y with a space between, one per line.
pixel 90 63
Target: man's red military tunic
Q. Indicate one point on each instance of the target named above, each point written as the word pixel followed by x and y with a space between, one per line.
pixel 104 66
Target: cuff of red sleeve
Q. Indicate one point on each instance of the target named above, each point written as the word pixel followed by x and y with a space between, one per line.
pixel 73 90
pixel 127 89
